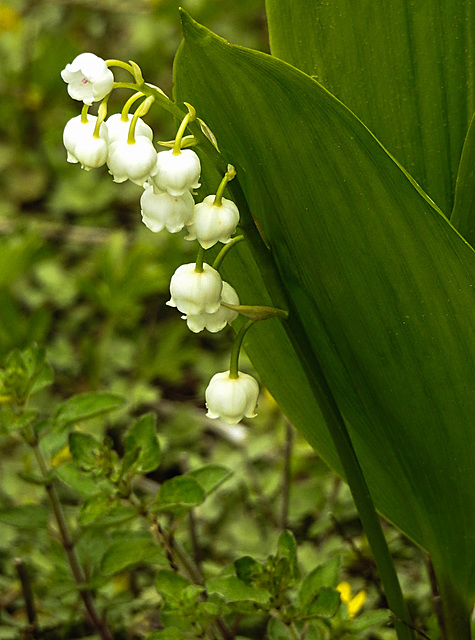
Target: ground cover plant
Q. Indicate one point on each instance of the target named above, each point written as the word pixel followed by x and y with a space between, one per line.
pixel 303 197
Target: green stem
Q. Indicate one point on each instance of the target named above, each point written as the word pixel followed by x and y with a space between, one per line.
pixel 122 65
pixel 228 176
pixel 141 110
pixel 97 622
pixel 223 252
pixel 189 117
pixel 101 116
pixel 128 104
pixel 200 260
pixel 84 111
pixel 234 362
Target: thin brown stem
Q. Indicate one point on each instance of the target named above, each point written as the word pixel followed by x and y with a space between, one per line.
pixel 196 551
pixel 163 541
pixel 436 601
pixel 93 615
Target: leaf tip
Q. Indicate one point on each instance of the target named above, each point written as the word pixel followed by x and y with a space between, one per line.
pixel 187 21
pixel 193 29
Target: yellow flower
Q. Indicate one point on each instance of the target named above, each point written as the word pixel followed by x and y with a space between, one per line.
pixel 62 456
pixel 355 603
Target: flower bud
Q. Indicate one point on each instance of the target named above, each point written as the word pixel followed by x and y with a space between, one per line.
pixel 132 160
pixel 177 173
pixel 194 292
pixel 88 77
pixel 214 322
pixel 213 223
pixel 161 210
pixel 232 399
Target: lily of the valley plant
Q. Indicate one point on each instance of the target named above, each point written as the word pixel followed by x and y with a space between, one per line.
pixel 354 197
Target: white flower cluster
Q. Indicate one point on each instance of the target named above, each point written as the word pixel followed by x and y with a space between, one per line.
pixel 125 143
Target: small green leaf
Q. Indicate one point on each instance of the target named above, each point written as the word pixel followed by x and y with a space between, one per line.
pixel 26 516
pixel 85 450
pixel 277 630
pixel 130 551
pixel 287 548
pixel 234 590
pixel 34 478
pixel 141 444
pixel 84 484
pixel 14 378
pixel 324 576
pixel 180 491
pixel 211 476
pixel 95 507
pixel 85 406
pixel 170 584
pixel 12 421
pixel 248 569
pixel 368 619
pixel 325 604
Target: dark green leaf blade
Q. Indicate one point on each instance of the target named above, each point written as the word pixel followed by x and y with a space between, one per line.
pixel 25 516
pixel 84 406
pixel 405 69
pixel 381 281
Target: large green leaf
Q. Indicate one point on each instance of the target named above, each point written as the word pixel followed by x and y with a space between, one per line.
pixel 406 69
pixel 379 287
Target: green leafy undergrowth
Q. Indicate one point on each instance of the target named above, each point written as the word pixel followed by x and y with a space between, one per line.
pixel 178 532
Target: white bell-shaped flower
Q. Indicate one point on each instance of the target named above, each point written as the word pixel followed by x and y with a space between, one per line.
pixel 119 129
pixel 215 322
pixel 82 146
pixel 161 210
pixel 132 160
pixel 194 292
pixel 212 222
pixel 88 77
pixel 177 173
pixel 232 399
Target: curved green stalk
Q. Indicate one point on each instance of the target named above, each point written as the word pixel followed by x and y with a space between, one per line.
pixel 224 251
pixel 234 362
